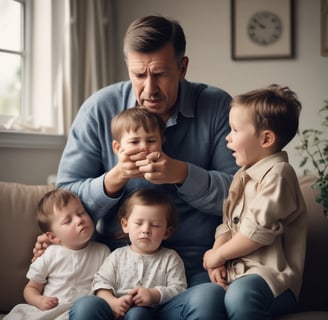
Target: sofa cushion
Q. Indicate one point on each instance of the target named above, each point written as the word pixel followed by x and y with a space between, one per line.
pixel 17 212
pixel 314 315
pixel 19 227
pixel 314 295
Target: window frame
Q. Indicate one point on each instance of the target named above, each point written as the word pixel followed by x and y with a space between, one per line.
pixel 29 138
pixel 22 54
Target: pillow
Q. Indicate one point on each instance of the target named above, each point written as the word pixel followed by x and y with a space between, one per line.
pixel 18 232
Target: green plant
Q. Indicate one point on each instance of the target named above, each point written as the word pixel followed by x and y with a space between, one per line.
pixel 314 149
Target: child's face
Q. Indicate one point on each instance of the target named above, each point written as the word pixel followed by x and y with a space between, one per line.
pixel 242 139
pixel 148 141
pixel 147 228
pixel 72 226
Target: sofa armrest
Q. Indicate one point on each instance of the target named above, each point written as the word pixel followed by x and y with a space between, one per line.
pixel 313 294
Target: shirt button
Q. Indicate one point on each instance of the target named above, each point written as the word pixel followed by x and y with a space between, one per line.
pixel 235 220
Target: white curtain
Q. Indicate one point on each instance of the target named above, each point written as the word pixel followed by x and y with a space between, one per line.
pixel 87 56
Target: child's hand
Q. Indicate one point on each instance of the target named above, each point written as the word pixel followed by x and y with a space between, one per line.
pixel 212 259
pixel 219 276
pixel 47 303
pixel 120 306
pixel 143 297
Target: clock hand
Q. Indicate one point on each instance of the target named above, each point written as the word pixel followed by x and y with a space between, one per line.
pixel 259 23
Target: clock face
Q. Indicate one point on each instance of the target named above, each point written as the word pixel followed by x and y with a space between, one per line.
pixel 264 28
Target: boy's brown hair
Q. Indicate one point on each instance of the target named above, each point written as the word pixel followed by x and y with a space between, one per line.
pixel 54 199
pixel 135 118
pixel 273 108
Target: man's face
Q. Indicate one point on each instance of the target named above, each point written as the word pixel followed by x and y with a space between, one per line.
pixel 155 78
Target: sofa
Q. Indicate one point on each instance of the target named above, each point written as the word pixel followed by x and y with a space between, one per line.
pixel 18 232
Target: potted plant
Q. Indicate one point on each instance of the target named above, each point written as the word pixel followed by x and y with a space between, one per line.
pixel 314 149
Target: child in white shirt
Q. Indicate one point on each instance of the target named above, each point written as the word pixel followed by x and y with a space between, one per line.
pixel 66 269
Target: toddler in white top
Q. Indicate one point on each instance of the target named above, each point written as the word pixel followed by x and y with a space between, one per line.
pixel 139 277
pixel 66 269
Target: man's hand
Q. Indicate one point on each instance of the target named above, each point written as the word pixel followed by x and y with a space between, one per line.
pixel 127 162
pixel 158 168
pixel 124 170
pixel 42 243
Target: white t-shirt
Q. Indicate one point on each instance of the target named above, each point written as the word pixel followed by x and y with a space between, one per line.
pixel 67 274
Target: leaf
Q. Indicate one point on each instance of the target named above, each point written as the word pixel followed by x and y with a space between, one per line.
pixel 314 147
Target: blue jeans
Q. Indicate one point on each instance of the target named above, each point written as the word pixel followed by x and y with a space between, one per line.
pixel 197 302
pixel 247 298
pixel 250 298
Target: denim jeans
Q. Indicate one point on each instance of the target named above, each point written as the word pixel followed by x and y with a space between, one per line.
pixel 250 298
pixel 197 302
pixel 247 298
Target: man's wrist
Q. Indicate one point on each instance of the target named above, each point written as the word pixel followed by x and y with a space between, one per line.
pixel 183 173
pixel 112 185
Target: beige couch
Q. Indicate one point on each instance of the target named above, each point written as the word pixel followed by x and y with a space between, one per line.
pixel 18 232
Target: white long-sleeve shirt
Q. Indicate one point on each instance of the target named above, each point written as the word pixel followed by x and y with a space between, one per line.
pixel 124 270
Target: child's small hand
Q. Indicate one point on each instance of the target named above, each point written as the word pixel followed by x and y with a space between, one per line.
pixel 219 276
pixel 120 306
pixel 143 297
pixel 213 259
pixel 47 303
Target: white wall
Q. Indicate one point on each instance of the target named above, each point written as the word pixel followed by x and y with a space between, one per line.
pixel 207 27
pixel 28 165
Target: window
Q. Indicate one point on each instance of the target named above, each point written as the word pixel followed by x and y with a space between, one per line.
pixel 27 48
pixel 12 57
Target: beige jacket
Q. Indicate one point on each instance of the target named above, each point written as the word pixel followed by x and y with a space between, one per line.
pixel 266 205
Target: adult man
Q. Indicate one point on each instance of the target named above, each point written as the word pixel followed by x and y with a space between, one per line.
pixel 195 166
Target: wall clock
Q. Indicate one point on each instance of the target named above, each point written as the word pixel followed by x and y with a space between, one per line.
pixel 262 29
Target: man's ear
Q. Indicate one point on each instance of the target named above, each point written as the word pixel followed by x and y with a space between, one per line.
pixel 184 67
pixel 52 237
pixel 116 146
pixel 268 138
